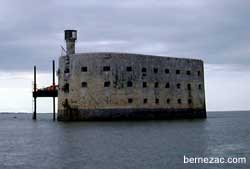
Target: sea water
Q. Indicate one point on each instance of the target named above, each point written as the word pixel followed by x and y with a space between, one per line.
pixel 25 143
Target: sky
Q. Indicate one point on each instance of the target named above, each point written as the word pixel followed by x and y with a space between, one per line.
pixel 215 31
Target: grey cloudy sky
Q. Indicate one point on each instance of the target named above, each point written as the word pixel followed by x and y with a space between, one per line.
pixel 31 32
pixel 216 31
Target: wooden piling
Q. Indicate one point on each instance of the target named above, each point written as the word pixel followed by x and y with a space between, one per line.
pixel 34 113
pixel 54 88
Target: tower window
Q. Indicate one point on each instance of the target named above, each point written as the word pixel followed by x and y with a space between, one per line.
pixel 157 101
pixel 179 101
pixel 168 101
pixel 144 70
pixel 189 86
pixel 145 101
pixel 130 100
pixel 178 72
pixel 107 84
pixel 84 69
pixel 188 72
pixel 199 73
pixel 167 71
pixel 84 84
pixel 129 84
pixel 66 88
pixel 129 69
pixel 144 84
pixel 155 70
pixel 189 101
pixel 156 84
pixel 200 87
pixel 66 70
pixel 178 85
pixel 167 85
pixel 106 68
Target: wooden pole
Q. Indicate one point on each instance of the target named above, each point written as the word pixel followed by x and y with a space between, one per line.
pixel 34 113
pixel 54 89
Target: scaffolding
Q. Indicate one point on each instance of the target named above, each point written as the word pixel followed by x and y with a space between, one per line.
pixel 50 91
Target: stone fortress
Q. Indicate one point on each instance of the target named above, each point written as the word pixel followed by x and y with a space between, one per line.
pixel 118 86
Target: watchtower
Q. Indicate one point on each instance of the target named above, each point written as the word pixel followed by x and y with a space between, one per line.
pixel 70 37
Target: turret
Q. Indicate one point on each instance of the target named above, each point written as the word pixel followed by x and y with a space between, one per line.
pixel 70 37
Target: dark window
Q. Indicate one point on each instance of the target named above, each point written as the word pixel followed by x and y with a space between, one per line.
pixel 129 69
pixel 129 84
pixel 189 86
pixel 156 84
pixel 84 84
pixel 178 85
pixel 144 70
pixel 145 101
pixel 84 69
pixel 155 70
pixel 168 101
pixel 167 85
pixel 178 72
pixel 106 68
pixel 188 72
pixel 166 71
pixel 66 88
pixel 107 84
pixel 144 84
pixel 130 100
pixel 66 70
pixel 200 86
pixel 179 101
pixel 198 73
pixel 189 101
pixel 66 103
pixel 157 101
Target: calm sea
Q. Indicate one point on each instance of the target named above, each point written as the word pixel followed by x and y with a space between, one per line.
pixel 25 143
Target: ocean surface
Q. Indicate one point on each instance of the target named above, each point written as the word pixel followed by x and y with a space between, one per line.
pixel 25 143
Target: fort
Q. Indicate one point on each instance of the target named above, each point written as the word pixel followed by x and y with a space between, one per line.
pixel 116 86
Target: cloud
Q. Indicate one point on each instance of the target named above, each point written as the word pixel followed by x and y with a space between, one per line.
pixel 215 31
pixel 227 87
pixel 16 92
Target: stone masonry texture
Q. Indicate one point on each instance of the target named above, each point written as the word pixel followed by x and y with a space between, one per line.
pixel 100 86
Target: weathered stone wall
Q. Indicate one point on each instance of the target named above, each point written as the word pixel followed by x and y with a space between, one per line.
pixel 171 84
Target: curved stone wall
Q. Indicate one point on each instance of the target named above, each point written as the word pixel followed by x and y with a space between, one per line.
pixel 120 85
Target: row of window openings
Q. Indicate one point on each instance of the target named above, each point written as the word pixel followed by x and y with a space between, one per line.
pixel 144 70
pixel 157 101
pixel 144 85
